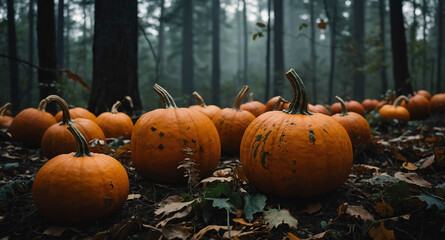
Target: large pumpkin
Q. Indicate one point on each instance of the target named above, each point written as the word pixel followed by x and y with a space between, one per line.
pixel 231 123
pixel 254 107
pixel 30 125
pixel 115 124
pixel 80 186
pixel 164 138
pixel 418 107
pixel 294 153
pixel 355 124
pixel 209 110
pixel 395 111
pixel 424 93
pixel 58 140
pixel 438 103
pixel 77 112
pixel 5 120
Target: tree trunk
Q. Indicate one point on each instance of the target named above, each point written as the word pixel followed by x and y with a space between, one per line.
pixel 239 43
pixel 161 42
pixel 359 35
pixel 439 46
pixel 67 38
pixel 187 50
pixel 46 41
pixel 398 44
pixel 313 54
pixel 268 52
pixel 60 38
pixel 333 43
pixel 278 48
pixel 245 82
pixel 31 30
pixel 383 74
pixel 115 51
pixel 215 52
pixel 12 51
pixel 413 34
pixel 425 48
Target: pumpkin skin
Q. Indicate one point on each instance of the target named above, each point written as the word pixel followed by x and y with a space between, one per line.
pixel 5 120
pixel 280 150
pixel 77 112
pixel 318 108
pixel 161 139
pixel 438 103
pixel 58 139
pixel 30 125
pixel 370 104
pixel 355 124
pixel 255 107
pixel 424 93
pixel 353 106
pixel 231 124
pixel 276 103
pixel 394 111
pixel 418 107
pixel 115 124
pixel 208 110
pixel 80 187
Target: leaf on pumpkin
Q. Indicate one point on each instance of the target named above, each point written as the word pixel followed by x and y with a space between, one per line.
pixel 430 201
pixel 75 77
pixel 223 172
pixel 384 210
pixel 303 25
pixel 275 217
pixel 359 212
pixel 321 24
pixel 412 178
pixel 254 204
pixel 381 233
pixel 409 166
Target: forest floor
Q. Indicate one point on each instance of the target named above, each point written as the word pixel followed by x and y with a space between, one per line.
pixel 395 190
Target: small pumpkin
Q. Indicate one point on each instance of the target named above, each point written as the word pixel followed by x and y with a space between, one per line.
pixel 395 111
pixel 115 124
pixel 77 112
pixel 162 139
pixel 30 125
pixel 438 103
pixel 418 107
pixel 424 93
pixel 5 120
pixel 355 124
pixel 296 153
pixel 277 103
pixel 231 124
pixel 318 108
pixel 255 107
pixel 208 110
pixel 353 106
pixel 370 104
pixel 58 140
pixel 80 186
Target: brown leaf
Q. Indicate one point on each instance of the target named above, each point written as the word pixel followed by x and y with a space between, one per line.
pixel 412 178
pixel 384 210
pixel 55 231
pixel 312 208
pixel 223 172
pixel 399 156
pixel 176 231
pixel 321 24
pixel 75 77
pixel 318 236
pixel 203 231
pixel 340 211
pixel 178 215
pixel 409 166
pixel 303 25
pixel 359 212
pixel 170 205
pixel 426 162
pixel 241 221
pixel 133 196
pixel 216 179
pixel 439 154
pixel 381 233
pixel 261 25
pixel 239 174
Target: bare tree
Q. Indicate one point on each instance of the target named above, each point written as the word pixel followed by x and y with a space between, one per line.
pixel 359 35
pixel 215 52
pixel 12 51
pixel 31 29
pixel 278 48
pixel 246 59
pixel 439 46
pixel 268 52
pixel 383 75
pixel 313 53
pixel 333 45
pixel 187 49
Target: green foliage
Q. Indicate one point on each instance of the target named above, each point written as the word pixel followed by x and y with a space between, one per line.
pixel 431 200
pixel 397 192
pixel 254 204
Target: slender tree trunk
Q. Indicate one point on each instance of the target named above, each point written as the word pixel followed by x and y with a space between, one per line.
pixel 239 43
pixel 60 38
pixel 359 35
pixel 67 37
pixel 333 45
pixel 425 47
pixel 413 33
pixel 245 81
pixel 278 75
pixel 268 52
pixel 187 50
pixel 215 52
pixel 313 53
pixel 31 30
pixel 115 51
pixel 12 51
pixel 383 75
pixel 398 43
pixel 85 38
pixel 439 46
pixel 161 41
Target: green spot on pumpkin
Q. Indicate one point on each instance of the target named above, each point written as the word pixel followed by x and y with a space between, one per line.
pixel 153 129
pixel 161 146
pixel 161 134
pixel 311 136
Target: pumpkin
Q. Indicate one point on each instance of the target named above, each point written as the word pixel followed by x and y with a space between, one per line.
pixel 295 153
pixel 370 104
pixel 80 186
pixel 115 124
pixel 58 140
pixel 355 124
pixel 418 107
pixel 163 139
pixel 276 103
pixel 5 120
pixel 353 106
pixel 30 125
pixel 318 108
pixel 395 111
pixel 424 93
pixel 254 107
pixel 77 112
pixel 231 124
pixel 438 103
pixel 209 110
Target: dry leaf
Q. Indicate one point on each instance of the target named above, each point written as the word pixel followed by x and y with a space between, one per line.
pixel 176 232
pixel 55 231
pixel 312 208
pixel 203 231
pixel 321 24
pixel 291 236
pixel 241 221
pixel 425 162
pixel 133 196
pixel 340 210
pixel 318 236
pixel 381 233
pixel 384 209
pixel 216 179
pixel 7 155
pixel 223 172
pixel 409 166
pixel 439 154
pixel 239 174
pixel 75 77
pixel 400 157
pixel 170 205
pixel 412 178
pixel 275 217
pixel 180 214
pixel 359 212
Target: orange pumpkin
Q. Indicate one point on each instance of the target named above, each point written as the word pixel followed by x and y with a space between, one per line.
pixel 164 138
pixel 58 140
pixel 77 112
pixel 357 127
pixel 208 110
pixel 394 111
pixel 418 107
pixel 30 125
pixel 80 186
pixel 353 106
pixel 115 124
pixel 318 108
pixel 424 93
pixel 438 103
pixel 294 153
pixel 231 123
pixel 5 121
pixel 370 104
pixel 277 103
pixel 254 107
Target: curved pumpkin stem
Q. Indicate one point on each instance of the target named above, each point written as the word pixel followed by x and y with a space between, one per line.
pixel 240 97
pixel 165 96
pixel 42 105
pixel 4 108
pixel 344 109
pixel 81 142
pixel 115 107
pixel 251 97
pixel 66 118
pixel 129 100
pixel 200 99
pixel 299 102
pixel 277 104
pixel 399 100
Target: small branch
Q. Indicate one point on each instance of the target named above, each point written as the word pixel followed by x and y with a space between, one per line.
pixel 157 59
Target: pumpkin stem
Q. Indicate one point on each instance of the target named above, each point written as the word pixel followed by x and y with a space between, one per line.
pixel 399 100
pixel 165 96
pixel 81 142
pixel 115 107
pixel 200 99
pixel 66 118
pixel 344 109
pixel 251 97
pixel 240 97
pixel 4 108
pixel 42 105
pixel 299 102
pixel 281 100
pixel 129 100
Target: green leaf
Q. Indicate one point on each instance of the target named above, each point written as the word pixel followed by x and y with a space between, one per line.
pixel 398 192
pixel 275 217
pixel 216 190
pixel 324 225
pixel 303 25
pixel 223 203
pixel 430 201
pixel 261 25
pixel 236 200
pixel 254 204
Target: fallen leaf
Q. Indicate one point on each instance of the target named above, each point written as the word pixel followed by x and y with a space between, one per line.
pixel 176 231
pixel 291 236
pixel 275 217
pixel 381 233
pixel 340 211
pixel 203 231
pixel 399 156
pixel 313 208
pixel 254 204
pixel 170 205
pixel 409 166
pixel 359 212
pixel 133 196
pixel 239 174
pixel 321 24
pixel 55 231
pixel 223 172
pixel 8 156
pixel 425 162
pixel 243 222
pixel 216 179
pixel 384 210
pixel 178 215
pixel 412 178
pixel 430 201
pixel 439 154
pixel 318 236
